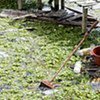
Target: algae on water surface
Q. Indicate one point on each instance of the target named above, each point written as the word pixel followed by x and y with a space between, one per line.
pixel 36 55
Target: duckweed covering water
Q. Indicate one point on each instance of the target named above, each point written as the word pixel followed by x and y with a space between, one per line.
pixel 36 55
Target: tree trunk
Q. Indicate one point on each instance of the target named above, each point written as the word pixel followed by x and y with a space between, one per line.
pixel 19 4
pixel 56 5
pixel 62 4
pixel 50 2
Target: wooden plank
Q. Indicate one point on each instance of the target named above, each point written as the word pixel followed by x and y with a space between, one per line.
pixel 73 10
pixel 66 16
pixel 75 17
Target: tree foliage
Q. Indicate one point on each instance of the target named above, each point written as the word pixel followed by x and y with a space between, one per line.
pixel 12 4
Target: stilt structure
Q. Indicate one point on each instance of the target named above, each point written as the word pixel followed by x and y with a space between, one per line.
pixel 62 4
pixel 85 7
pixel 56 5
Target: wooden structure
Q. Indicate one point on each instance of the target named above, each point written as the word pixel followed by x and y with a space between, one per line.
pixel 39 4
pixel 56 4
pixel 66 18
pixel 85 13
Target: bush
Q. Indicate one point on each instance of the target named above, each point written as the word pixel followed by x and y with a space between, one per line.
pixel 29 4
pixel 12 4
pixel 8 4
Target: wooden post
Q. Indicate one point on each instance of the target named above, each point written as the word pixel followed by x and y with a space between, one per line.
pixel 84 19
pixel 62 4
pixel 39 4
pixel 56 4
pixel 19 4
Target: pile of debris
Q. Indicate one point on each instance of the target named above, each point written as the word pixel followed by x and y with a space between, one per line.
pixel 90 65
pixel 64 17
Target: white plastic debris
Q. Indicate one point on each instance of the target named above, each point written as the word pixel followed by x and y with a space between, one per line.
pixel 77 67
pixel 49 92
pixel 46 8
pixel 83 52
pixel 95 85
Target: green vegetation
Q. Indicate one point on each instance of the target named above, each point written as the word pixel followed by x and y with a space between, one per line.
pixel 8 4
pixel 36 55
pixel 32 56
pixel 12 4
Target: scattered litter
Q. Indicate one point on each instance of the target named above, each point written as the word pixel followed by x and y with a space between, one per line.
pixel 95 84
pixel 3 54
pixel 92 46
pixel 46 8
pixel 77 67
pixel 83 52
pixel 91 68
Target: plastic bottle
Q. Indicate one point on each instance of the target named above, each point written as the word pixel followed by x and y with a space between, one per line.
pixel 77 67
